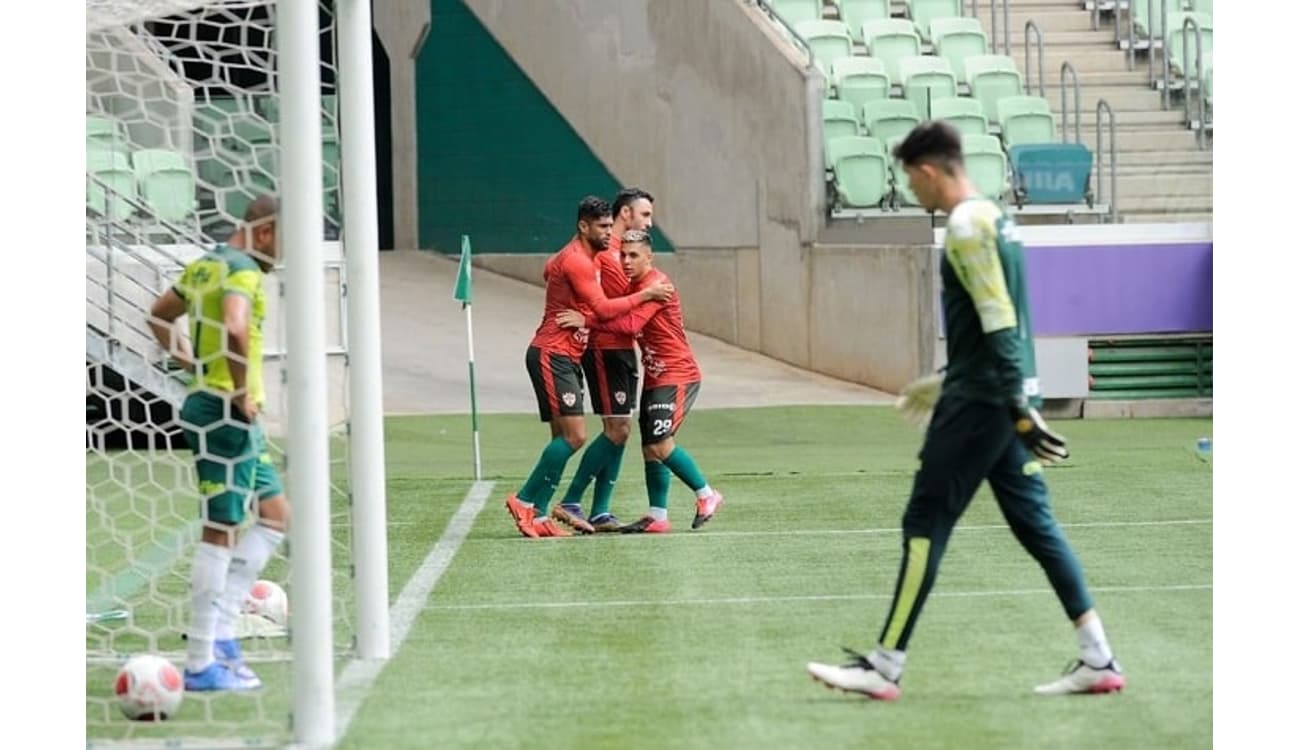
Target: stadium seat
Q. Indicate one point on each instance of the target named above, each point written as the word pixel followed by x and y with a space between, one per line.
pixel 859 80
pixel 111 169
pixel 1147 23
pixel 828 40
pixel 1176 37
pixel 956 39
pixel 986 165
pixel 903 195
pixel 925 78
pixel 890 119
pixel 104 132
pixel 166 184
pixel 923 12
pixel 1208 88
pixel 963 113
pixel 861 173
pixel 795 12
pixel 891 40
pixel 992 77
pixel 839 119
pixel 857 12
pixel 1051 172
pixel 1026 119
pixel 1201 6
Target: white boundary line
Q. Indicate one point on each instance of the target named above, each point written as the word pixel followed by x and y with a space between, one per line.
pixel 358 676
pixel 806 598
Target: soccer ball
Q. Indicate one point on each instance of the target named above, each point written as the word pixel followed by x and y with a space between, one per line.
pixel 149 688
pixel 266 599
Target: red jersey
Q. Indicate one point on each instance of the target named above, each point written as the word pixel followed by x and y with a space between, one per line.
pixel 571 283
pixel 609 269
pixel 666 357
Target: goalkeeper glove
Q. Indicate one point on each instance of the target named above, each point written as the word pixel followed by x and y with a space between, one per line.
pixel 917 400
pixel 1046 445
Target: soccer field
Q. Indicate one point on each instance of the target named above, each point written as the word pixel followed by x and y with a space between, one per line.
pixel 698 639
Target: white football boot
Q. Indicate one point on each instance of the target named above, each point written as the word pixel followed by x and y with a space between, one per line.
pixel 857 676
pixel 1081 678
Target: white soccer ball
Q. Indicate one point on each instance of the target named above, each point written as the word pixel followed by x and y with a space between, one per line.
pixel 149 688
pixel 267 599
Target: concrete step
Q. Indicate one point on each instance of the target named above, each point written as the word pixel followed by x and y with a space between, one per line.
pixel 1201 185
pixel 1136 77
pixel 1172 169
pixel 1052 39
pixel 1160 158
pixel 1160 203
pixel 1047 19
pixel 1123 118
pixel 1161 218
pixel 1125 100
pixel 1144 139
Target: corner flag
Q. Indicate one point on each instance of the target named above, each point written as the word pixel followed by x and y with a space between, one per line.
pixel 464 294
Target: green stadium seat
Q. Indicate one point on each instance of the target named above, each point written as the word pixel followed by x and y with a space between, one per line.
pixel 1176 38
pixel 1026 119
pixel 923 12
pixel 1208 86
pixel 111 170
pixel 859 80
pixel 795 12
pixel 104 132
pixel 956 39
pixel 1147 23
pixel 1201 6
pixel 903 195
pixel 890 41
pixel 828 40
pixel 963 113
pixel 993 77
pixel 925 78
pixel 861 173
pixel 166 184
pixel 857 12
pixel 986 165
pixel 839 119
pixel 889 119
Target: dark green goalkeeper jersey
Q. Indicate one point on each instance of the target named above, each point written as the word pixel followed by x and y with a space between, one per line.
pixel 984 290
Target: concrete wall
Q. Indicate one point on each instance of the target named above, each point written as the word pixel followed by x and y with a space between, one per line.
pixel 402 26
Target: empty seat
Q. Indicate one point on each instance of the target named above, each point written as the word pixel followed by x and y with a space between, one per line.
pixel 923 12
pixel 859 80
pixel 891 40
pixel 890 119
pixel 110 183
pixel 105 132
pixel 986 165
pixel 1177 38
pixel 166 184
pixel 839 119
pixel 1026 119
pixel 1147 23
pixel 903 195
pixel 861 172
pixel 956 39
pixel 993 77
pixel 857 12
pixel 1051 172
pixel 795 12
pixel 828 40
pixel 963 113
pixel 1201 6
pixel 925 78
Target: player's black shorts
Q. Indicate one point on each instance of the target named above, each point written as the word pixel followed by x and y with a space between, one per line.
pixel 557 382
pixel 663 409
pixel 611 378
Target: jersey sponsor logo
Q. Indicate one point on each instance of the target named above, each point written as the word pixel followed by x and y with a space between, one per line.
pixel 662 406
pixel 1010 232
pixel 569 399
pixel 1031 387
pixel 620 397
pixel 581 335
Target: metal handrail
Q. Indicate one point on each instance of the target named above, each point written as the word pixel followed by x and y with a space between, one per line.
pixel 1066 67
pixel 1038 34
pixel 1102 104
pixel 799 40
pixel 1189 84
pixel 1006 26
pixel 1164 53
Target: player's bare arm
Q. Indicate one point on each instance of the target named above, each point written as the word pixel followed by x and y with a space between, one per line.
pixel 234 311
pixel 167 309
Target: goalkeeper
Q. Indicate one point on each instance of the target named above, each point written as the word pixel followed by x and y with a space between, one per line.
pixel 221 293
pixel 984 426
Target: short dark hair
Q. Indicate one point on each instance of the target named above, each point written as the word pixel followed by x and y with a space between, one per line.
pixel 628 196
pixel 933 142
pixel 592 207
pixel 637 237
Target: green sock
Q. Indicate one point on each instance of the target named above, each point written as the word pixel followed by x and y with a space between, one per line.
pixel 605 481
pixel 681 464
pixel 657 482
pixel 594 459
pixel 544 480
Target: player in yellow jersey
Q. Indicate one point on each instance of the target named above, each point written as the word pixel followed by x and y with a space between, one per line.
pixel 222 297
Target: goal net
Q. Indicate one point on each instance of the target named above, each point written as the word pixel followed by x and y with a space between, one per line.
pixel 182 133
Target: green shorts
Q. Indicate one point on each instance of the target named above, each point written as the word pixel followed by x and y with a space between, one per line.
pixel 234 465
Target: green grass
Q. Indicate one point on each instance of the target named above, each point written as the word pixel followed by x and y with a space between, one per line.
pixel 698 639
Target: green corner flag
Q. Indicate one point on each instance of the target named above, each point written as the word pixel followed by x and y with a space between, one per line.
pixel 464 289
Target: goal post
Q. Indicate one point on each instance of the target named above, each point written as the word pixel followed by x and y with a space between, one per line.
pixel 194 109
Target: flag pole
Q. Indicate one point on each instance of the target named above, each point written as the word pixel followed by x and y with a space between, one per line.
pixel 464 293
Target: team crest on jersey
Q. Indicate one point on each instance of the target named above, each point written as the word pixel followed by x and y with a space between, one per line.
pixel 620 397
pixel 569 399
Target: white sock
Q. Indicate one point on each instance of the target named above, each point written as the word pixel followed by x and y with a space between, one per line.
pixel 246 563
pixel 658 514
pixel 888 662
pixel 207 581
pixel 703 492
pixel 1094 649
